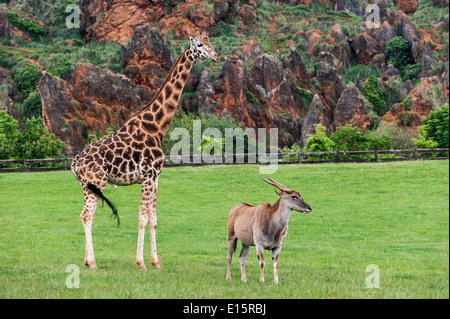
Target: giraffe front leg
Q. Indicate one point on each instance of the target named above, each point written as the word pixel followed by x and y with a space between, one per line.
pixel 152 229
pixel 147 217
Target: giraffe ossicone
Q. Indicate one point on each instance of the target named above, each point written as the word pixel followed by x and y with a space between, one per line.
pixel 134 155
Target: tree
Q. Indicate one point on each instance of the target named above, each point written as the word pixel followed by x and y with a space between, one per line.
pixel 397 52
pixel 437 126
pixel 27 78
pixel 374 93
pixel 60 65
pixel 36 142
pixel 32 106
pixel 350 138
pixel 319 142
pixel 423 142
pixel 8 135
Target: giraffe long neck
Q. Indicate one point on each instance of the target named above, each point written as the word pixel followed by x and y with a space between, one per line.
pixel 156 117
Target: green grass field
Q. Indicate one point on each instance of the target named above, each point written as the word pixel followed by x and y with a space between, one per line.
pixel 393 215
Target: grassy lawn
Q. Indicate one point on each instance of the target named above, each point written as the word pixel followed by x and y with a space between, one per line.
pixel 393 215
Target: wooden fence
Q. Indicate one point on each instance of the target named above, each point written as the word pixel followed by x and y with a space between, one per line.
pixel 281 158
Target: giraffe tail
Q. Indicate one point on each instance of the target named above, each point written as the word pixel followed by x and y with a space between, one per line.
pixel 97 192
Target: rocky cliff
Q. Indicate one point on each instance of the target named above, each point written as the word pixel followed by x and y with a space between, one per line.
pixel 285 64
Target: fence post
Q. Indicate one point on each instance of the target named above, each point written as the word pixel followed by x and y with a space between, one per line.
pixel 24 165
pixel 338 158
pixel 65 163
pixel 415 155
pixel 376 156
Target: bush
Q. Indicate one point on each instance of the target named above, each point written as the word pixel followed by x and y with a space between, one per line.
pixel 60 65
pixel 437 126
pixel 36 142
pixel 411 71
pixel 424 142
pixel 397 52
pixel 350 138
pixel 319 142
pixel 375 94
pixel 401 138
pixel 27 78
pixel 8 135
pixel 32 106
pixel 32 28
pixel 185 120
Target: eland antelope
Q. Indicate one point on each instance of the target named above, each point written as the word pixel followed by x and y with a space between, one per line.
pixel 263 226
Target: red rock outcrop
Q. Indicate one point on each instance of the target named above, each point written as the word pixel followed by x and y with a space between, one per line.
pixel 7 29
pixel 90 102
pixel 407 6
pixel 147 58
pixel 428 95
pixel 317 113
pixel 116 19
pixel 364 48
pixel 330 79
pixel 351 109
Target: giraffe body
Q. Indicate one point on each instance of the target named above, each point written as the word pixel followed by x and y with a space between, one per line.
pixel 133 155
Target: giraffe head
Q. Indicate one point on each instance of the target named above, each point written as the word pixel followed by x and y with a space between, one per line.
pixel 202 48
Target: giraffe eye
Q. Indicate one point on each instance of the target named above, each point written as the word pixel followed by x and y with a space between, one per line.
pixel 200 44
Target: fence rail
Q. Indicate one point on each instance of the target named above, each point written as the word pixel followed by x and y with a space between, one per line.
pixel 280 158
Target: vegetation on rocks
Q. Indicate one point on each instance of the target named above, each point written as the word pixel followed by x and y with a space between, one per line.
pixel 275 57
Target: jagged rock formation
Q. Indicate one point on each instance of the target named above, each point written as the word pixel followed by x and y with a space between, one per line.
pixel 146 58
pixel 7 29
pixel 317 113
pixel 263 82
pixel 351 108
pixel 91 101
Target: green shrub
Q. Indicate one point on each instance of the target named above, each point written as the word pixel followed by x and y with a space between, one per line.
pixel 349 74
pixel 8 135
pixel 35 142
pixel 401 138
pixel 437 126
pixel 60 65
pixel 397 52
pixel 407 102
pixel 27 78
pixel 424 142
pixel 32 28
pixel 319 142
pixel 32 106
pixel 374 93
pixel 350 138
pixel 94 137
pixel 304 96
pixel 411 71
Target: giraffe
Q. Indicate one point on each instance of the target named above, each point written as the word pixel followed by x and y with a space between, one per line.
pixel 134 155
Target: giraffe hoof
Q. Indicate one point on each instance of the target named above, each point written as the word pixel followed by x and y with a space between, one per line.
pixel 91 265
pixel 142 266
pixel 156 266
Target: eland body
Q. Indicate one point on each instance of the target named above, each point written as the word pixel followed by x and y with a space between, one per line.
pixel 263 226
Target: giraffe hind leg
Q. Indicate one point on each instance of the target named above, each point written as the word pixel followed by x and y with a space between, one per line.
pixel 99 193
pixel 87 218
